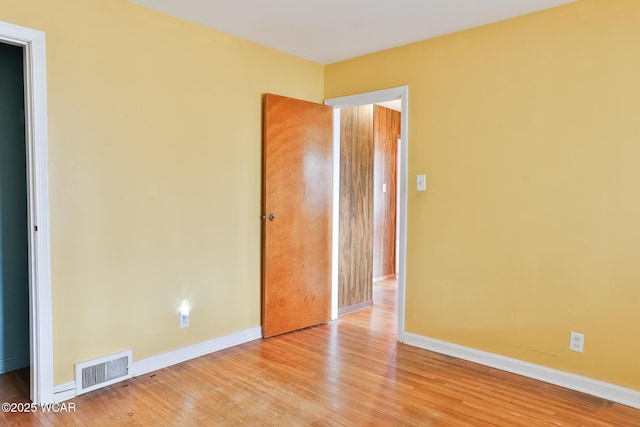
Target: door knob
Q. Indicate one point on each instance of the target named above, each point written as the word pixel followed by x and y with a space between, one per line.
pixel 272 217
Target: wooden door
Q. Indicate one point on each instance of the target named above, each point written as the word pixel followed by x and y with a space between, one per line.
pixel 355 264
pixel 386 132
pixel 297 196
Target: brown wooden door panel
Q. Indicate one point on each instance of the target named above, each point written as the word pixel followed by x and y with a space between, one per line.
pixel 355 282
pixel 297 191
pixel 386 132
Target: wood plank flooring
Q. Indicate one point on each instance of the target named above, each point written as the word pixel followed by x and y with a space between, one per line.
pixel 351 372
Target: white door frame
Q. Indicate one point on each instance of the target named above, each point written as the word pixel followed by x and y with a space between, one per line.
pixel 367 98
pixel 35 85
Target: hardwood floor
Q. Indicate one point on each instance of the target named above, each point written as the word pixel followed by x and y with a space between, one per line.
pixel 351 372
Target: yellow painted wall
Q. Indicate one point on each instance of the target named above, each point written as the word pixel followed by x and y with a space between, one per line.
pixel 529 133
pixel 155 174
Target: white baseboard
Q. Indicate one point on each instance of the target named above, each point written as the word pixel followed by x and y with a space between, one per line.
pixel 67 391
pixel 183 354
pixel 63 392
pixel 614 393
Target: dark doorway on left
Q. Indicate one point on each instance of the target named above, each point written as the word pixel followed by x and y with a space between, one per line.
pixel 14 251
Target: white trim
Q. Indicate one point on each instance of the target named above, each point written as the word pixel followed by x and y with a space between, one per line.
pixel 367 98
pixel 183 354
pixel 391 94
pixel 614 393
pixel 335 224
pixel 67 391
pixel 35 73
pixel 64 392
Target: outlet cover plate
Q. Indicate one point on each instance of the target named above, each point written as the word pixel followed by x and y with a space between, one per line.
pixel 184 320
pixel 577 342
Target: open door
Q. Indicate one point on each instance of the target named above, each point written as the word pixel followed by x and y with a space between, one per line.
pixel 297 209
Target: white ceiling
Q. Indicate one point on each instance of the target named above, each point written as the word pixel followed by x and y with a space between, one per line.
pixel 327 31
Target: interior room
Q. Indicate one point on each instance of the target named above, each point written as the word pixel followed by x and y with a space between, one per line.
pixel 496 285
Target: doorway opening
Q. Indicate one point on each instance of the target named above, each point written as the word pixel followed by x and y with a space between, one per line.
pixel 32 43
pixel 371 98
pixel 14 268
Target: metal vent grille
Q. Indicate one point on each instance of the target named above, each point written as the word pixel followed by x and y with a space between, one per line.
pixel 102 372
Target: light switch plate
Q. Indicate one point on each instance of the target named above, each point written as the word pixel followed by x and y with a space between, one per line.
pixel 421 183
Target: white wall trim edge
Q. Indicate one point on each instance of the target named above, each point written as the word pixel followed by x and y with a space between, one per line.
pixel 183 354
pixel 67 391
pixel 40 306
pixel 63 392
pixel 614 393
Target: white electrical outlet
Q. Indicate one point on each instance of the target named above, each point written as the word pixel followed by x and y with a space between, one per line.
pixel 184 320
pixel 184 313
pixel 577 342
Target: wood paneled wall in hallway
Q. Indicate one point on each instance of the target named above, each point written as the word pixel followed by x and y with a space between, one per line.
pixel 355 267
pixel 385 141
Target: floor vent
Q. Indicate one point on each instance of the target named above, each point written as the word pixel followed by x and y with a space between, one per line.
pixel 98 373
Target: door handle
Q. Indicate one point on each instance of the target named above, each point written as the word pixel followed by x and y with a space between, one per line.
pixel 272 217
